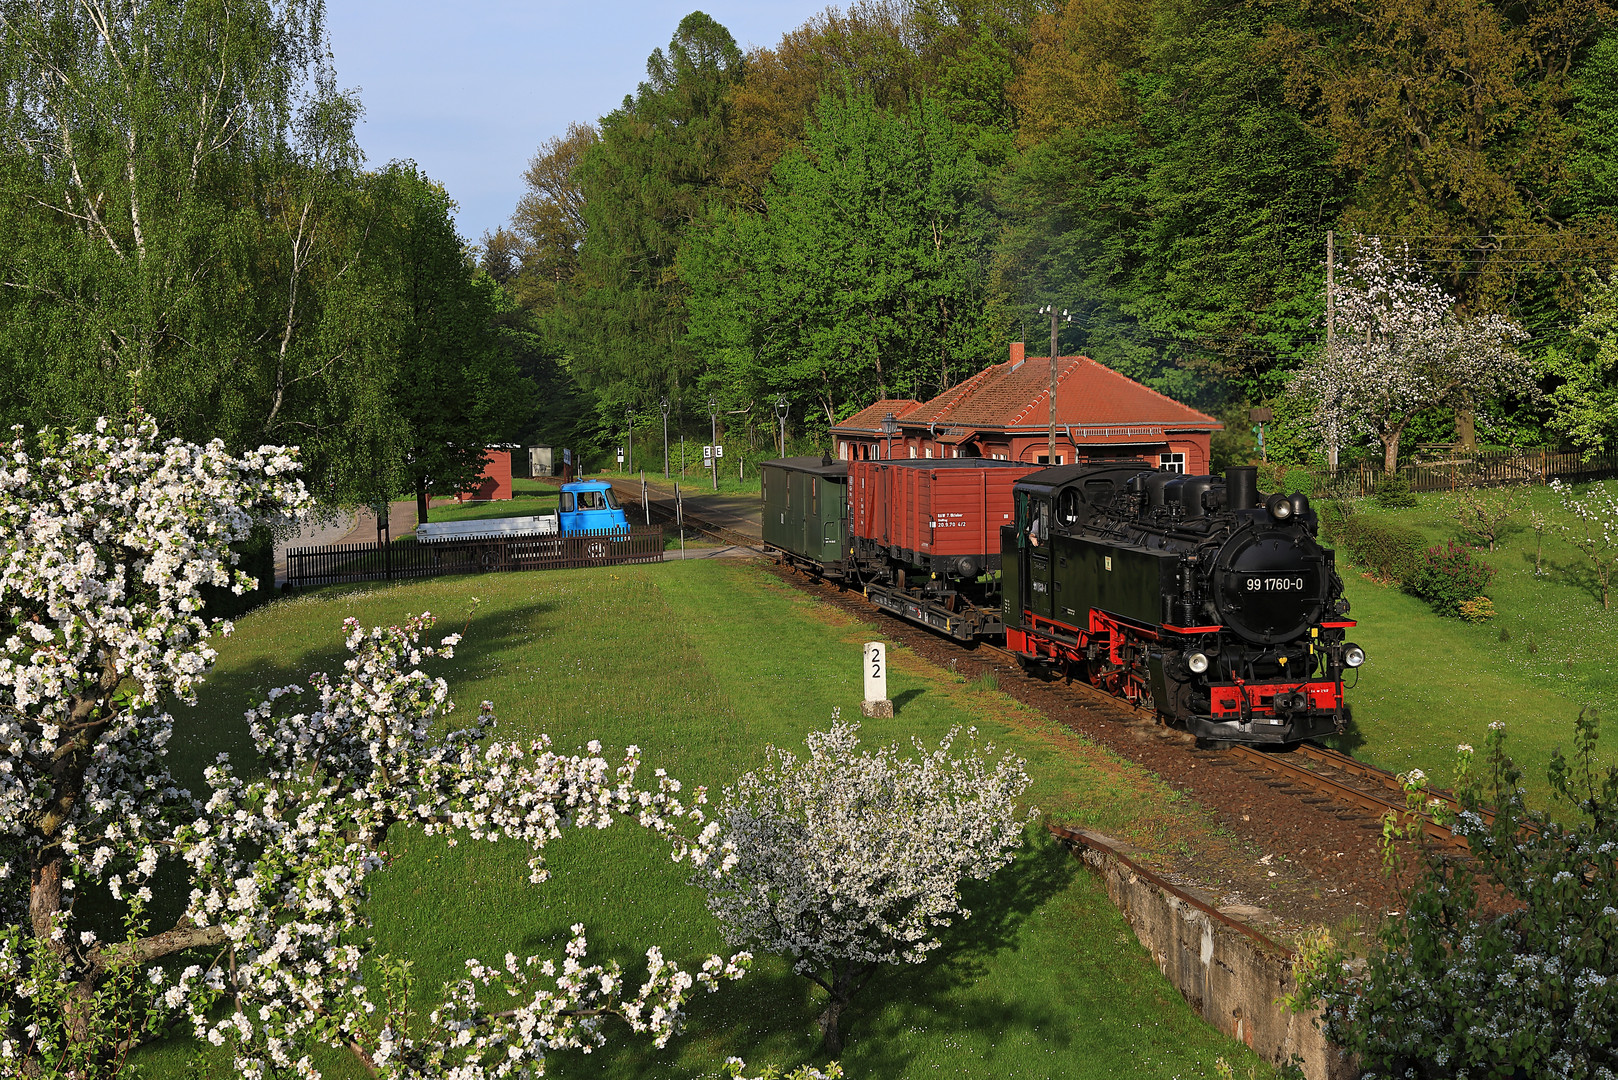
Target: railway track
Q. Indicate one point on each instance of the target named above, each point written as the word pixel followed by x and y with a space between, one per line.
pixel 1316 775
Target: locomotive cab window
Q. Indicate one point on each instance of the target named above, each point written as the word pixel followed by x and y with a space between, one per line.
pixel 1039 521
pixel 1067 507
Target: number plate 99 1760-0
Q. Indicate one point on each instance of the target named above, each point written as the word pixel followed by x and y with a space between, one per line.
pixel 1279 583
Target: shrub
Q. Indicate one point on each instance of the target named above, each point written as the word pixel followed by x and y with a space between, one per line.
pixel 1298 478
pixel 1387 549
pixel 1503 964
pixel 1450 576
pixel 1479 609
pixel 1393 492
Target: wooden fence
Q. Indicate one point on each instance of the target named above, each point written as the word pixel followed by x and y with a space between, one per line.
pixel 1489 469
pixel 336 564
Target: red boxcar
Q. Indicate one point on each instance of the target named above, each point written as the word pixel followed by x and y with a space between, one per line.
pixel 943 515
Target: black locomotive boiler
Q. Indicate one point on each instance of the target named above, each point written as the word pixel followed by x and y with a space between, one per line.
pixel 1194 595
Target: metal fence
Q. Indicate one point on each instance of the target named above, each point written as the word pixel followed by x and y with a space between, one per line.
pixel 1454 471
pixel 336 564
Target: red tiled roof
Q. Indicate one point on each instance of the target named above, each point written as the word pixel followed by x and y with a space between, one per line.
pixel 1088 395
pixel 869 419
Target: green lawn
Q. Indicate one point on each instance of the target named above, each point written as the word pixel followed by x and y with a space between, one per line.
pixel 702 664
pixel 697 480
pixel 1433 682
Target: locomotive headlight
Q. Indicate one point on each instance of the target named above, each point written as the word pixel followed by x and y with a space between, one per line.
pixel 1197 662
pixel 1279 506
pixel 1353 655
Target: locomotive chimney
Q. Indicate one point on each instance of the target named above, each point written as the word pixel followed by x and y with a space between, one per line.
pixel 1241 487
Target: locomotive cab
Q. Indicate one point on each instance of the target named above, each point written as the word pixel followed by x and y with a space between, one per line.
pixel 1197 596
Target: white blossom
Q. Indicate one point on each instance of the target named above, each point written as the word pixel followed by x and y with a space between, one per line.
pixel 1399 347
pixel 108 539
pixel 848 860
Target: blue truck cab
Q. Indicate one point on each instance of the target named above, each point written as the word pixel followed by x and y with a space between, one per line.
pixel 590 506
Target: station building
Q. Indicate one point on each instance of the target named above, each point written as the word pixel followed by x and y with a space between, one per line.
pixel 1003 412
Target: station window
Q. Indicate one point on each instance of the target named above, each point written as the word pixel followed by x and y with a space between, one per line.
pixel 1171 462
pixel 929 451
pixel 912 451
pixel 1045 459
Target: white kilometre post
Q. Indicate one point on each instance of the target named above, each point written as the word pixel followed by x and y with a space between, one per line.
pixel 875 661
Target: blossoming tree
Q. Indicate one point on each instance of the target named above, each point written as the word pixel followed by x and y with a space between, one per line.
pixel 107 540
pixel 1593 531
pixel 849 860
pixel 1398 348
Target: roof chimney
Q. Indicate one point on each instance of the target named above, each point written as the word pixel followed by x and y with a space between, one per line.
pixel 1016 352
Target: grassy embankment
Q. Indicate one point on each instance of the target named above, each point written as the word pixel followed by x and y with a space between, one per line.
pixel 702 664
pixel 1433 682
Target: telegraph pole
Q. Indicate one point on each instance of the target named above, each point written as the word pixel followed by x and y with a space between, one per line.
pixel 1050 453
pixel 1331 330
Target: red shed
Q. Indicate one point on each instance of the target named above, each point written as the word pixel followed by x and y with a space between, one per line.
pixel 495 483
pixel 942 515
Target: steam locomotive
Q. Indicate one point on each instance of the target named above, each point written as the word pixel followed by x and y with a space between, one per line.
pixel 1196 596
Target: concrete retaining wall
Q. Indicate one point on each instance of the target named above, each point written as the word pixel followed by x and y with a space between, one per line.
pixel 1231 974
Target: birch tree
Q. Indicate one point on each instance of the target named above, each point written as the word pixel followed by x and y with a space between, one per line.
pixel 845 861
pixel 1400 347
pixel 183 222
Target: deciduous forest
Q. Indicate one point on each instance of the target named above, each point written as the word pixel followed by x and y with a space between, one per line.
pixel 883 199
pixel 874 205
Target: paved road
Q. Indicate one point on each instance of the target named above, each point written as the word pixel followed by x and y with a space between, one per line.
pixel 741 513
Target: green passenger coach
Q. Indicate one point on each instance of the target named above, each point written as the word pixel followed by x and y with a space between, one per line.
pixel 806 512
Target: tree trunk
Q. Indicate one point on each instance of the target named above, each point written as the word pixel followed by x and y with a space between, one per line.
pixel 1390 449
pixel 421 500
pixel 1466 429
pixel 831 1038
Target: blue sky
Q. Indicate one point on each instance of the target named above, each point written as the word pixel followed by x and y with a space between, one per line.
pixel 469 90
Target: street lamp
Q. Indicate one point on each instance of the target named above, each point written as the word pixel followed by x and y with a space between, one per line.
pixel 665 404
pixel 890 424
pixel 781 408
pixel 1050 309
pixel 713 416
